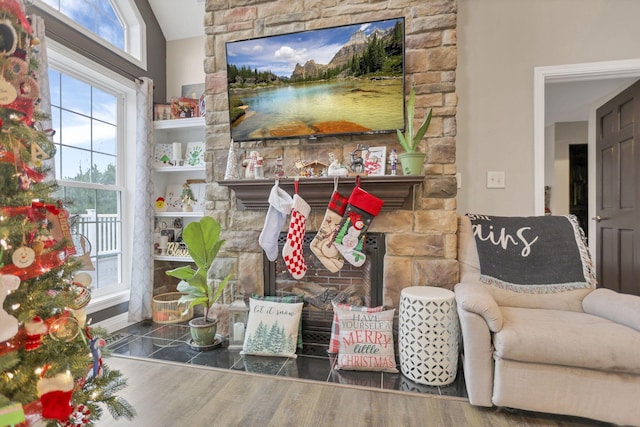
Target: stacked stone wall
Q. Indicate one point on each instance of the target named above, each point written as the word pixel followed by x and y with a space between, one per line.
pixel 421 242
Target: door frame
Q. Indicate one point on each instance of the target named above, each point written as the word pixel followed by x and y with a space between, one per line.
pixel 571 73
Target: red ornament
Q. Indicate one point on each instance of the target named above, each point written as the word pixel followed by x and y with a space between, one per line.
pixel 35 329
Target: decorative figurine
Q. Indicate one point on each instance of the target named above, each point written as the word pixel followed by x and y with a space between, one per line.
pixel 279 170
pixel 335 168
pixel 258 169
pixel 393 159
pixel 356 163
pixel 187 197
pixel 250 164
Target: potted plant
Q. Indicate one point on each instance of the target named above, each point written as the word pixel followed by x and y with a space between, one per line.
pixel 412 161
pixel 203 242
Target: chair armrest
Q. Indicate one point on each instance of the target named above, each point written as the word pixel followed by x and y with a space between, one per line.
pixel 476 299
pixel 620 308
pixel 477 357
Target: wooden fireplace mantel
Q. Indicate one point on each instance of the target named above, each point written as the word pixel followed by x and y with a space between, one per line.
pixel 395 191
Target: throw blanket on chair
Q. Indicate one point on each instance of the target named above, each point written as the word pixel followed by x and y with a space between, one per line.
pixel 539 254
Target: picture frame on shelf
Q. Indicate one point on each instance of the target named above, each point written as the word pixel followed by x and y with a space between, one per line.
pixel 170 233
pixel 203 105
pixel 183 108
pixel 161 111
pixel 198 189
pixel 162 154
pixel 194 91
pixel 375 161
pixel 194 155
pixel 173 197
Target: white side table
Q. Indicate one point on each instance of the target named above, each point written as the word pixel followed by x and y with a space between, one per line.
pixel 428 335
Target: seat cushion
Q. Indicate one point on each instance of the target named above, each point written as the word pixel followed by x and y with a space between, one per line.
pixel 567 338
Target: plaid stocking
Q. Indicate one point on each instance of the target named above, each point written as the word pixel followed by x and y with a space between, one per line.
pixel 292 250
pixel 322 245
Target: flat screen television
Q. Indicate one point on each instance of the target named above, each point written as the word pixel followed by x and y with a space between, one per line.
pixel 333 81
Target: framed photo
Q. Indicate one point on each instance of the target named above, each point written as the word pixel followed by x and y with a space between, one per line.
pixel 182 108
pixel 170 233
pixel 193 90
pixel 162 154
pixel 161 111
pixel 199 193
pixel 203 105
pixel 173 197
pixel 375 160
pixel 195 154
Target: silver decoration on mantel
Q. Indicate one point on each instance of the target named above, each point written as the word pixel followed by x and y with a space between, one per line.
pixel 232 163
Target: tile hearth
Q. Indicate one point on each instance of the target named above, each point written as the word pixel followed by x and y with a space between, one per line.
pixel 168 342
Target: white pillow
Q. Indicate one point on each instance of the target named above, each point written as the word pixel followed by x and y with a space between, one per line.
pixel 272 328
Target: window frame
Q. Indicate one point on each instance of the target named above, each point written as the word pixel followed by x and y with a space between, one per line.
pixel 77 66
pixel 135 30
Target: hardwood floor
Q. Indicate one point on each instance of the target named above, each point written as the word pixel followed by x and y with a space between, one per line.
pixel 176 394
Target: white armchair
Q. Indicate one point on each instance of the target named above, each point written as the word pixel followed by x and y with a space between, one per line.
pixel 572 352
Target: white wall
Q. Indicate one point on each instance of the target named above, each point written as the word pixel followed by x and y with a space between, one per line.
pixel 499 44
pixel 185 64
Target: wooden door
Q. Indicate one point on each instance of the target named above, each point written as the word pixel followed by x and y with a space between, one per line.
pixel 618 192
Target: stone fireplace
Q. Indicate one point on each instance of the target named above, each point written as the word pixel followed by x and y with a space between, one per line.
pixel 419 234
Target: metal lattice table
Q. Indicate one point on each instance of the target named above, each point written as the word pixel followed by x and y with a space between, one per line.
pixel 428 335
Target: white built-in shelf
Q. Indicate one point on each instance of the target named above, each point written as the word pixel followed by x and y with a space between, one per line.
pixel 190 123
pixel 178 168
pixel 179 214
pixel 172 258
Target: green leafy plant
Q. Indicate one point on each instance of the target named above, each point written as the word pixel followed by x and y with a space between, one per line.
pixel 409 141
pixel 203 242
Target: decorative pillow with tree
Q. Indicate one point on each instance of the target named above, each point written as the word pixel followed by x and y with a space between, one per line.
pixel 272 328
pixel 294 298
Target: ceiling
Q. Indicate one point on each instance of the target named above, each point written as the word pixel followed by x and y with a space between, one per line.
pixel 181 21
pixel 564 102
pixel 570 101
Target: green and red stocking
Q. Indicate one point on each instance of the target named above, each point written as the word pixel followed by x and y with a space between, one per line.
pixel 362 207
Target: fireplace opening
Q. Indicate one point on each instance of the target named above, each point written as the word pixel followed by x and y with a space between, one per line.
pixel 319 287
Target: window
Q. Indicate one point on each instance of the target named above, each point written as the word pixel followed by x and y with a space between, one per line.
pixel 93 114
pixel 117 25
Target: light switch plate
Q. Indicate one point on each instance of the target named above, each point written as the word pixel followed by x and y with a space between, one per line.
pixel 459 179
pixel 495 179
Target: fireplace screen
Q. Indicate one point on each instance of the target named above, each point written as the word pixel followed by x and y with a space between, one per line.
pixel 351 285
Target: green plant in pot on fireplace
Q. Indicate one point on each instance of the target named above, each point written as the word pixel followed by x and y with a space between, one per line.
pixel 412 161
pixel 203 242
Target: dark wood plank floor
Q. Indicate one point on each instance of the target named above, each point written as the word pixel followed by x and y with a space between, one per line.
pixel 172 394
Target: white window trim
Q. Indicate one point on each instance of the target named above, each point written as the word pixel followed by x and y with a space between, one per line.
pixel 70 62
pixel 135 29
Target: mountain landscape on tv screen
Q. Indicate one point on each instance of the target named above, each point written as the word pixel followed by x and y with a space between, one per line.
pixel 367 62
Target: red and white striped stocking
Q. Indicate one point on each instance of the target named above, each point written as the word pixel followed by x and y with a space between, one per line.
pixel 292 250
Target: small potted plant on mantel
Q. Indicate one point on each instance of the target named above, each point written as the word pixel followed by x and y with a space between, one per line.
pixel 203 242
pixel 412 161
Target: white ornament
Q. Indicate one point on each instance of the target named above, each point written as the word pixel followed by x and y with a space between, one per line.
pixel 23 257
pixel 8 323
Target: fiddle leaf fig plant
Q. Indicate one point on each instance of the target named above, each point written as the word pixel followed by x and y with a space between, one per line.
pixel 203 242
pixel 408 140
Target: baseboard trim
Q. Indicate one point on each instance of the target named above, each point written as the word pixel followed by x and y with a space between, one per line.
pixel 115 323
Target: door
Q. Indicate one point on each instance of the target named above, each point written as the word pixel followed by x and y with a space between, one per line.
pixel 618 192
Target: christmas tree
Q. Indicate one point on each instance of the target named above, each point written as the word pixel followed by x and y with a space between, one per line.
pixel 50 359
